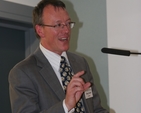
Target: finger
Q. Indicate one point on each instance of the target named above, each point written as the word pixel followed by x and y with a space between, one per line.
pixel 86 85
pixel 76 82
pixel 80 87
pixel 80 73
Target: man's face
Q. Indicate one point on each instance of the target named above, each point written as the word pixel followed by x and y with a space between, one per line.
pixel 55 40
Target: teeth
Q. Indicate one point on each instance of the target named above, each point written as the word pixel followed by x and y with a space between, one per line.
pixel 63 38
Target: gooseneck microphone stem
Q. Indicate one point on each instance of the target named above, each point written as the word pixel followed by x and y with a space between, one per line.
pixel 118 51
pixel 135 53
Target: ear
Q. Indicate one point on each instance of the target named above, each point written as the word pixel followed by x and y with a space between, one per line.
pixel 39 30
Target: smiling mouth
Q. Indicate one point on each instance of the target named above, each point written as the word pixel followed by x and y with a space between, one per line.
pixel 63 39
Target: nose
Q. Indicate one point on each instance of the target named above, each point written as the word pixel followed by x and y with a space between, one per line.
pixel 65 28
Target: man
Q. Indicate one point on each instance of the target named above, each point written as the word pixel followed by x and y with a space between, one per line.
pixel 35 83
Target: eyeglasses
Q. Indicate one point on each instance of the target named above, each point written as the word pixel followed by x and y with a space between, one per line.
pixel 60 26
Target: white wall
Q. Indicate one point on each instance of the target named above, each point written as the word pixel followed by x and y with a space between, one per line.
pixel 124 32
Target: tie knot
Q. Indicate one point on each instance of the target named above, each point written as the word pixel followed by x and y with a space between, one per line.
pixel 63 59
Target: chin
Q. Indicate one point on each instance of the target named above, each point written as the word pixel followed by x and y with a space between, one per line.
pixel 65 49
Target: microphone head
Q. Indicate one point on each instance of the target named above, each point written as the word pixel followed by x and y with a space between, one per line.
pixel 115 51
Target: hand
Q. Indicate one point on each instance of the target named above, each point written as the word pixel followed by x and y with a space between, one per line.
pixel 75 89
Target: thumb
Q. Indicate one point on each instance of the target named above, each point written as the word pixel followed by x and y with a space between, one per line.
pixel 87 85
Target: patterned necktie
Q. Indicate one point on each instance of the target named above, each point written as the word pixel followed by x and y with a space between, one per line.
pixel 66 75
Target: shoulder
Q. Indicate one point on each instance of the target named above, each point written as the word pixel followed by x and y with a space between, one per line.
pixel 25 63
pixel 35 59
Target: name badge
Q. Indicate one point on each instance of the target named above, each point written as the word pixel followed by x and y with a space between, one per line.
pixel 88 93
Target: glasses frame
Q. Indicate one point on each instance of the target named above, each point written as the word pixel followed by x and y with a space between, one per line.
pixel 71 25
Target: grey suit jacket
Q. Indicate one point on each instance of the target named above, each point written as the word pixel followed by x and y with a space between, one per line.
pixel 34 87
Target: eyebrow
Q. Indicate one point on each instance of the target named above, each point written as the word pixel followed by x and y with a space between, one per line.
pixel 66 20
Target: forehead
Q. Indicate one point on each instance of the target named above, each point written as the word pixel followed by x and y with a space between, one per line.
pixel 51 13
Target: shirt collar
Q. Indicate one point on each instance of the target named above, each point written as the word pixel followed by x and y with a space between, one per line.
pixel 53 58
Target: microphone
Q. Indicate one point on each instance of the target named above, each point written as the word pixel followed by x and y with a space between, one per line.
pixel 117 51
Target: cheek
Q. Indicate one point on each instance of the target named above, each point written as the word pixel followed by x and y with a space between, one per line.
pixel 55 35
pixel 52 36
pixel 49 33
pixel 52 33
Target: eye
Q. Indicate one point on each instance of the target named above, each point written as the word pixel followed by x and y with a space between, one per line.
pixel 58 25
pixel 68 23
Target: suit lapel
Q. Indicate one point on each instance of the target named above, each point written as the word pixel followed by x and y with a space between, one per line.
pixel 52 80
pixel 73 63
pixel 49 75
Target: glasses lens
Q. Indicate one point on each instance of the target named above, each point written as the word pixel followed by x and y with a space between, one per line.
pixel 72 24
